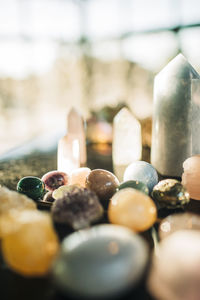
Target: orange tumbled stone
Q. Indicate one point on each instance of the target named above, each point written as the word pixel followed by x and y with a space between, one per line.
pixel 32 246
pixel 133 209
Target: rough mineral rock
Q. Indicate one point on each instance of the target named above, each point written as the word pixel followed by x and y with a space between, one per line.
pixel 133 209
pixel 100 262
pixel 170 193
pixel 181 221
pixel 175 271
pixel 191 175
pixel 13 200
pixel 78 207
pixel 32 245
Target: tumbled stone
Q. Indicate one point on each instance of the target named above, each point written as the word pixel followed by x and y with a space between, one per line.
pixel 190 176
pixel 32 245
pixel 32 187
pixel 175 271
pixel 170 193
pixel 48 197
pixel 181 221
pixel 54 179
pixel 78 208
pixel 138 185
pixel 133 209
pixel 78 176
pixel 64 189
pixel 101 262
pixel 103 183
pixel 142 171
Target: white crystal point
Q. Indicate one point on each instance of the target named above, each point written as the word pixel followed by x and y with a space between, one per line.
pixel 176 116
pixel 127 141
pixel 75 127
pixel 179 67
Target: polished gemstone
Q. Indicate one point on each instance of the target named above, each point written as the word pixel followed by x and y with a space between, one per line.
pixel 138 185
pixel 79 175
pixel 103 183
pixel 64 189
pixel 133 209
pixel 32 187
pixel 33 244
pixel 175 270
pixel 78 208
pixel 177 222
pixel 100 262
pixel 190 177
pixel 54 179
pixel 170 193
pixel 10 200
pixel 142 171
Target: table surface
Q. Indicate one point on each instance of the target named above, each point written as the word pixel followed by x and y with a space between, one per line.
pixel 37 163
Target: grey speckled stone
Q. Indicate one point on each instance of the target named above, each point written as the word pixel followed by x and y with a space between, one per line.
pixel 101 261
pixel 176 116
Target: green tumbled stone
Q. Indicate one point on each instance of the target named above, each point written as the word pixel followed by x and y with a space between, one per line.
pixel 170 193
pixel 32 187
pixel 138 185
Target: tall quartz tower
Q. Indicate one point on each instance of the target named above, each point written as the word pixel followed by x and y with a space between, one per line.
pixel 176 116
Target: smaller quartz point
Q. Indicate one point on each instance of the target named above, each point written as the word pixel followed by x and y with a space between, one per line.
pixel 190 177
pixel 127 141
pixel 72 147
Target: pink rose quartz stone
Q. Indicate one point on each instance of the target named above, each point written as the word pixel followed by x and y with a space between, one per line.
pixel 191 176
pixel 78 176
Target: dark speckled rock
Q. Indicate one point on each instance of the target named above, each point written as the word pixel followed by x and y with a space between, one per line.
pixel 78 208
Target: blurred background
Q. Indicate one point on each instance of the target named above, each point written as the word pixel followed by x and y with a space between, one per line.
pixel 89 53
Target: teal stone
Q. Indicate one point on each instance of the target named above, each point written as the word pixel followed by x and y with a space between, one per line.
pixel 170 193
pixel 138 185
pixel 32 187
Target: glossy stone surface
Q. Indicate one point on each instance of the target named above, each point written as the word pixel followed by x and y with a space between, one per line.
pixel 175 272
pixel 190 176
pixel 78 208
pixel 138 185
pixel 79 175
pixel 13 200
pixel 181 221
pixel 48 197
pixel 54 179
pixel 142 171
pixel 64 189
pixel 32 187
pixel 100 262
pixel 170 193
pixel 133 209
pixel 33 244
pixel 103 183
pixel 176 114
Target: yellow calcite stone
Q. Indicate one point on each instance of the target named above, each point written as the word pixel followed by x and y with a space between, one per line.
pixel 133 209
pixel 79 175
pixel 13 200
pixel 31 247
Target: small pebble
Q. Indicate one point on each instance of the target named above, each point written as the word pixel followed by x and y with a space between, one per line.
pixel 54 180
pixel 64 189
pixel 78 176
pixel 78 208
pixel 142 171
pixel 103 261
pixel 103 183
pixel 48 197
pixel 190 177
pixel 138 185
pixel 133 209
pixel 170 193
pixel 32 187
pixel 181 221
pixel 175 271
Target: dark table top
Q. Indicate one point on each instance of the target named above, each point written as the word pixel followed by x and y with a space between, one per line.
pixel 19 164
